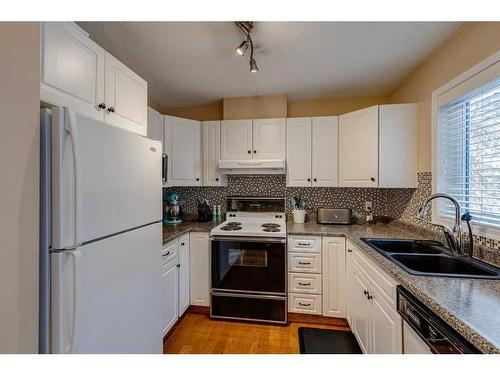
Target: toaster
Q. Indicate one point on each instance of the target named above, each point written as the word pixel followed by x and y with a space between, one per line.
pixel 334 215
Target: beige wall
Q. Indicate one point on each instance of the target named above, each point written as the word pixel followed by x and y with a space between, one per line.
pixel 250 107
pixel 269 107
pixel 469 46
pixel 202 112
pixel 330 107
pixel 19 158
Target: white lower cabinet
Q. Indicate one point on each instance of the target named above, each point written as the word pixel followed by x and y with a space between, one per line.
pixel 169 284
pixel 333 259
pixel 183 266
pixel 199 258
pixel 372 313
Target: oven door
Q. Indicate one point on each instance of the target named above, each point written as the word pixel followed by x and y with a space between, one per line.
pixel 254 265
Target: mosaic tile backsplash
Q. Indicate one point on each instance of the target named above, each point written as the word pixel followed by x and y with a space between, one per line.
pixel 385 202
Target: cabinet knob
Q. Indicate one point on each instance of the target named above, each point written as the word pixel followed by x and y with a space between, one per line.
pixel 249 151
pixel 369 296
pixel 349 250
pixel 373 179
pixel 182 243
pixel 102 106
pixel 365 292
pixel 178 266
pixel 315 180
pixel 216 178
pixel 111 109
pixel 254 151
pixel 308 180
pixel 197 179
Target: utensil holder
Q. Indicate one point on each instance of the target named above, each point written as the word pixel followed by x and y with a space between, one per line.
pixel 299 216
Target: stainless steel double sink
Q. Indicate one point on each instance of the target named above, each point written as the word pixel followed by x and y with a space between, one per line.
pixel 431 258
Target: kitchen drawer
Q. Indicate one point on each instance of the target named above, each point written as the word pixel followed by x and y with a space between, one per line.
pixel 304 262
pixel 304 283
pixel 170 251
pixel 305 303
pixel 172 263
pixel 304 244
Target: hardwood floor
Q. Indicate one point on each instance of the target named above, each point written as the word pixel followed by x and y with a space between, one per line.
pixel 198 334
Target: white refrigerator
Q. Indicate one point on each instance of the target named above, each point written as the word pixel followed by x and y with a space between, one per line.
pixel 100 237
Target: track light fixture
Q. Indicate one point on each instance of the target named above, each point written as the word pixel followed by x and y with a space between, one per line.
pixel 246 27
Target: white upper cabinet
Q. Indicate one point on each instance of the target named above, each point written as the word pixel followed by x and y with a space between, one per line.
pixel 269 138
pixel 126 97
pixel 236 140
pixel 71 69
pixel 358 148
pixel 155 125
pixel 312 151
pixel 184 146
pixel 398 146
pixel 298 151
pixel 253 139
pixel 377 147
pixel 77 73
pixel 325 151
pixel 211 154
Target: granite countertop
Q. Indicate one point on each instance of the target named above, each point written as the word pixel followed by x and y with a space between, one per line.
pixel 172 231
pixel 470 306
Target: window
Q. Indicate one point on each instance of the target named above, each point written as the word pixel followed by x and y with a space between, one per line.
pixel 467 153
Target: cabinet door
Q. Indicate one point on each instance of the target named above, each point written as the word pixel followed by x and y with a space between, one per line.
pixel 269 138
pixel 333 258
pixel 199 259
pixel 183 274
pixel 398 146
pixel 386 326
pixel 125 97
pixel 236 140
pixel 358 148
pixel 71 69
pixel 325 151
pixel 360 316
pixel 169 284
pixel 211 154
pixel 185 155
pixel 349 282
pixel 298 151
pixel 155 125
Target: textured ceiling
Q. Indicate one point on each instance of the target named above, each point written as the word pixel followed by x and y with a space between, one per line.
pixel 188 63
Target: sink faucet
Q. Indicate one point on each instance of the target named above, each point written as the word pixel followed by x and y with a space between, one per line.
pixel 453 236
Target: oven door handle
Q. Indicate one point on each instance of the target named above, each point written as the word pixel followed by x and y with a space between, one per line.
pixel 248 239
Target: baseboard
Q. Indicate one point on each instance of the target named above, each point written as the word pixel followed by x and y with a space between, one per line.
pixel 199 309
pixel 316 319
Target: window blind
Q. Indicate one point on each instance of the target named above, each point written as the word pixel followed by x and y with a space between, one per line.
pixel 468 152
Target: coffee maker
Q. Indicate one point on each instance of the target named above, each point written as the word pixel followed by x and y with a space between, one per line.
pixel 172 209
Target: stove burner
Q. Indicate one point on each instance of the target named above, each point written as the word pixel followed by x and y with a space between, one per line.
pixel 271 229
pixel 270 225
pixel 233 223
pixel 230 227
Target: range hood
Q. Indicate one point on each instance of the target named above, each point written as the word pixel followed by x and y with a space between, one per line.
pixel 270 166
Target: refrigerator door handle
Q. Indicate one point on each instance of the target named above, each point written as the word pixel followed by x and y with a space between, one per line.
pixel 75 255
pixel 72 129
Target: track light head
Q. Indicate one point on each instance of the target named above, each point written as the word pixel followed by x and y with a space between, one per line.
pixel 241 49
pixel 253 66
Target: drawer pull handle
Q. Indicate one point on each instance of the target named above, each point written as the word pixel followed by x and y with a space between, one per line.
pixel 303 244
pixel 167 254
pixel 304 304
pixel 304 263
pixel 304 284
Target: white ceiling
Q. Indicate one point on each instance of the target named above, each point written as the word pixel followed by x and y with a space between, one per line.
pixel 189 63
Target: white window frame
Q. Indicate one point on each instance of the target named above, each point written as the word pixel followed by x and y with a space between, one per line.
pixel 483 229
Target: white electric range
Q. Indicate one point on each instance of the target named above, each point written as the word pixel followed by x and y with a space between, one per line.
pixel 248 261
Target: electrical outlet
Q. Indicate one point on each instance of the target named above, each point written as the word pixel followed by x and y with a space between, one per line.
pixel 368 205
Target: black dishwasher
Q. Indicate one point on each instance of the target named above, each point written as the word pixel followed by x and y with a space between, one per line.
pixel 436 334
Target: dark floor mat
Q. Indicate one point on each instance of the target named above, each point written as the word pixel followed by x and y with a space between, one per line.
pixel 327 341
